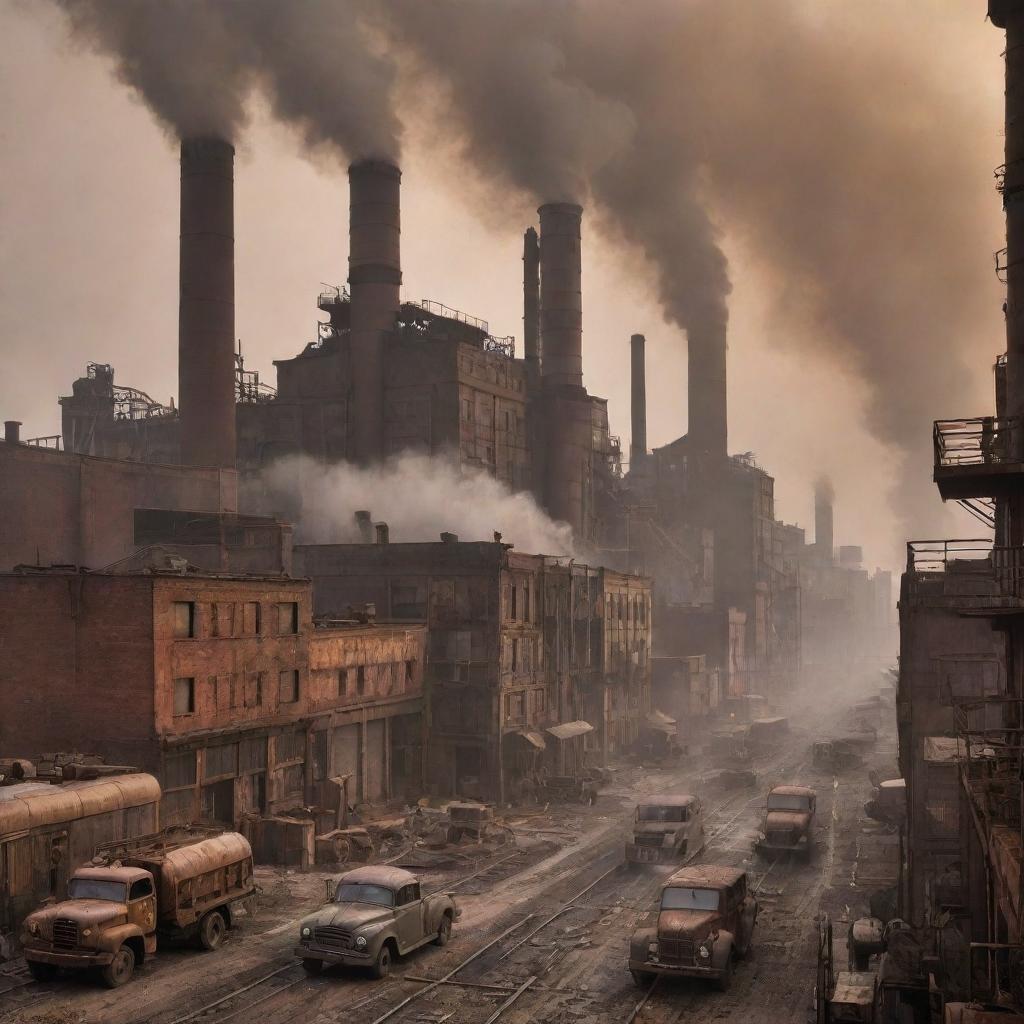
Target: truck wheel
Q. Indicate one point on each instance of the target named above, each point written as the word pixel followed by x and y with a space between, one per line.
pixel 444 932
pixel 120 969
pixel 312 967
pixel 211 930
pixel 382 965
pixel 724 980
pixel 41 971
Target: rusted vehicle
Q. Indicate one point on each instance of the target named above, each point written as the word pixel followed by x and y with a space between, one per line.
pixel 837 755
pixel 468 819
pixel 665 829
pixel 788 825
pixel 182 883
pixel 706 921
pixel 888 803
pixel 376 914
pixel 46 829
pixel 767 733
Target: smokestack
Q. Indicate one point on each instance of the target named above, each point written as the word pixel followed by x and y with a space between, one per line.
pixel 206 310
pixel 706 390
pixel 531 296
pixel 12 431
pixel 823 525
pixel 374 276
pixel 561 299
pixel 638 402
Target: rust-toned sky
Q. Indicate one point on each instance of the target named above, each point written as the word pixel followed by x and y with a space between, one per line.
pixel 88 221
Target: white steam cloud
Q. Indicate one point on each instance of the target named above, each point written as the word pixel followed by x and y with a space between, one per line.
pixel 418 496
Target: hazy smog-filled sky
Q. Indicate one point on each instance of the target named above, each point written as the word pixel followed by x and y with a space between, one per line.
pixel 841 159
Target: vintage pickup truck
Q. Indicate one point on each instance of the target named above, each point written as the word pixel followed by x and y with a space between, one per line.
pixel 788 821
pixel 705 922
pixel 666 828
pixel 377 914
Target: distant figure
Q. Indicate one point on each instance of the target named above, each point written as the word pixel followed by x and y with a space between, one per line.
pixel 497 537
pixel 17 771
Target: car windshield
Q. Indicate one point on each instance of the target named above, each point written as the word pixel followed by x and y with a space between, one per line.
pixel 689 899
pixel 351 892
pixel 97 889
pixel 652 812
pixel 788 802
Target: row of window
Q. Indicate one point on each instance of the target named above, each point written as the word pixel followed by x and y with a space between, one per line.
pixel 627 608
pixel 193 620
pixel 242 691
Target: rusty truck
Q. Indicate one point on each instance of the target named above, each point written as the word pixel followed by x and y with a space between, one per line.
pixel 183 883
pixel 666 828
pixel 788 825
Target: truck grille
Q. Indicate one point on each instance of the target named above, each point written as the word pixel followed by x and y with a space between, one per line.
pixel 676 951
pixel 647 839
pixel 65 933
pixel 334 938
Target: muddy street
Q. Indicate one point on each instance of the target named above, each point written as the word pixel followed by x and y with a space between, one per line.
pixel 545 923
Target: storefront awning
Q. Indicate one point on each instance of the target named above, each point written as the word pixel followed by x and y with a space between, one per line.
pixel 660 721
pixel 535 739
pixel 567 730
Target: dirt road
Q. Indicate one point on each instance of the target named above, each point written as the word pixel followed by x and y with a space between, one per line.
pixel 545 925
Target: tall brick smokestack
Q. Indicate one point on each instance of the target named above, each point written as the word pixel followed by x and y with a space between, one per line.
pixel 708 411
pixel 824 540
pixel 531 296
pixel 206 311
pixel 374 277
pixel 561 299
pixel 638 402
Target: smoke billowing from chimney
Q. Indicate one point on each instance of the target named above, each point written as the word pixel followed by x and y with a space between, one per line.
pixel 196 62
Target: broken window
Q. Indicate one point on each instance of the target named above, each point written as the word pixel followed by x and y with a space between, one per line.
pixel 514 707
pixel 526 602
pixel 184 620
pixel 343 682
pixel 184 696
pixel 513 591
pixel 408 601
pixel 179 770
pixel 288 686
pixel 409 673
pixel 287 618
pixel 515 656
pixel 251 618
pixel 361 680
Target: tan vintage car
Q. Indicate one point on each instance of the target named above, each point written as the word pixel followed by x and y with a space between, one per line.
pixel 705 922
pixel 377 913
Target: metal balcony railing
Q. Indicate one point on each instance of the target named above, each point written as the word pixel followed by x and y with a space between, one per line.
pixel 982 441
pixel 990 754
pixel 53 441
pixel 971 556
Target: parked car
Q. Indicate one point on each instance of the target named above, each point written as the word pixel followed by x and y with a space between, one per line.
pixel 788 825
pixel 706 920
pixel 182 883
pixel 665 829
pixel 376 914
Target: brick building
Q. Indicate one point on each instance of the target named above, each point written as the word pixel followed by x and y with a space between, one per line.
pixel 532 660
pixel 219 685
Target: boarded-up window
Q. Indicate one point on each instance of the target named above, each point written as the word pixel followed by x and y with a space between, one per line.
pixel 288 686
pixel 184 696
pixel 184 619
pixel 220 761
pixel 320 755
pixel 291 746
pixel 514 707
pixel 252 754
pixel 251 618
pixel 179 770
pixel 291 780
pixel 408 601
pixel 222 618
pixel 178 808
pixel 287 618
pixel 254 689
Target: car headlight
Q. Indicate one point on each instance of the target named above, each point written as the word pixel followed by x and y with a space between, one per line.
pixel 360 942
pixel 306 932
pixel 704 950
pixel 34 928
pixel 86 932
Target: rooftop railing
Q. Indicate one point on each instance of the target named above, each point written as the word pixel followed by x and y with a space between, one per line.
pixel 440 309
pixel 973 555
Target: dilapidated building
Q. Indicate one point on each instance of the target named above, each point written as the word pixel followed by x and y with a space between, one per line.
pixel 533 661
pixel 219 685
